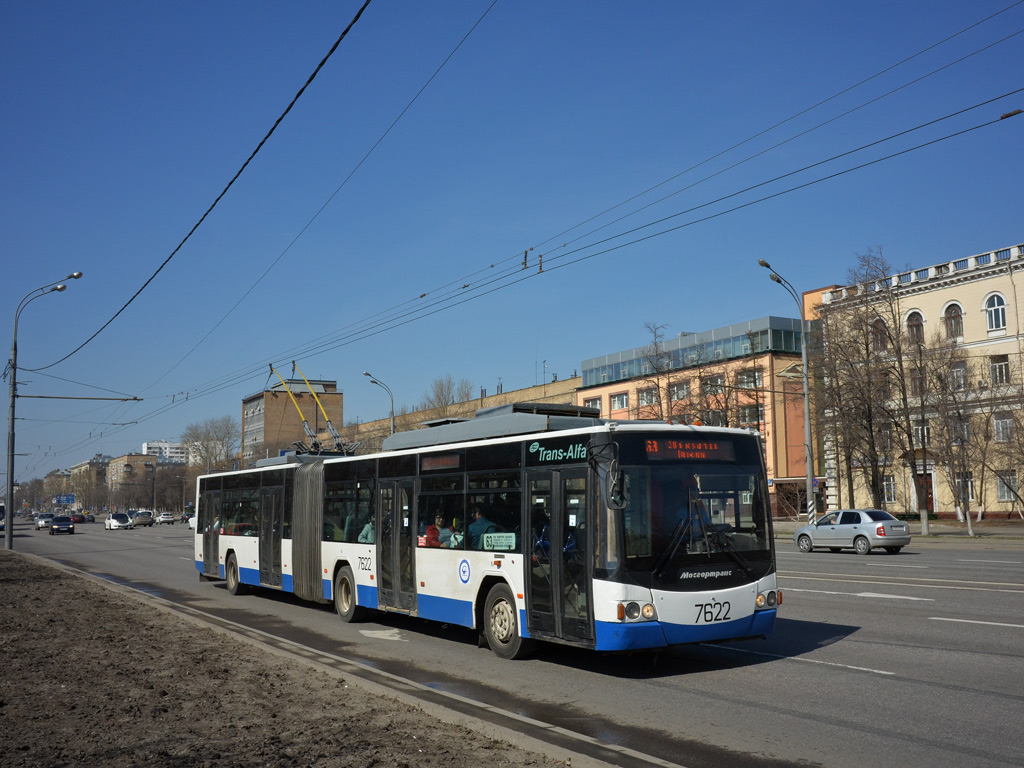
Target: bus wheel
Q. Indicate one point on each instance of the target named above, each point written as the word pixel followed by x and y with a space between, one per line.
pixel 345 597
pixel 234 582
pixel 501 625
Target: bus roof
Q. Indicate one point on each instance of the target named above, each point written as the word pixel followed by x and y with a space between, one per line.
pixel 499 421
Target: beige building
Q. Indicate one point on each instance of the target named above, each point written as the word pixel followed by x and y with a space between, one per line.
pixel 89 482
pixel 970 308
pixel 131 481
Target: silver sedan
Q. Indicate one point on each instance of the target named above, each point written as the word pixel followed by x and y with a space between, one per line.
pixel 857 529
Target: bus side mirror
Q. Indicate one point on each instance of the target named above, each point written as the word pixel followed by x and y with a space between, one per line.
pixel 615 480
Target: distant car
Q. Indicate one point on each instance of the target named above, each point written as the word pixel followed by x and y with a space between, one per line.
pixel 185 516
pixel 143 517
pixel 77 517
pixel 165 517
pixel 89 517
pixel 43 520
pixel 61 524
pixel 857 529
pixel 117 520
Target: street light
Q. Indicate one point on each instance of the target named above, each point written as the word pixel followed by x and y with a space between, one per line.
pixel 380 383
pixel 807 394
pixel 12 371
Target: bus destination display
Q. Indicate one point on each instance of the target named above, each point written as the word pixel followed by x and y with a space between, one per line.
pixel 674 449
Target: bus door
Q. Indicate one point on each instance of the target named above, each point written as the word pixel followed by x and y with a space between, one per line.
pixel 271 505
pixel 208 521
pixel 396 587
pixel 558 587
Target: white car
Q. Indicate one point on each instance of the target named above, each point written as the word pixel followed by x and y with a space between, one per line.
pixel 43 520
pixel 117 520
pixel 165 517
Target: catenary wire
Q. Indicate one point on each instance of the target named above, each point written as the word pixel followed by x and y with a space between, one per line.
pixel 221 195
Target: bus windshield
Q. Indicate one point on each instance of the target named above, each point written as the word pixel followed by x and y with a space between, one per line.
pixel 682 516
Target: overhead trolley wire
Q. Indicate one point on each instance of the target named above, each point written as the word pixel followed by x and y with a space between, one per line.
pixel 224 191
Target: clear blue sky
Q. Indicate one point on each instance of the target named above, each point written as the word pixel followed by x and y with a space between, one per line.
pixel 123 121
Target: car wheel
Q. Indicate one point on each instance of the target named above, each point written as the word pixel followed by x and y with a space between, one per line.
pixel 345 597
pixel 893 550
pixel 804 543
pixel 231 570
pixel 861 545
pixel 501 625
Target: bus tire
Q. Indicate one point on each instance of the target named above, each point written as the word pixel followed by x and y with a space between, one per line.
pixel 501 625
pixel 345 597
pixel 234 579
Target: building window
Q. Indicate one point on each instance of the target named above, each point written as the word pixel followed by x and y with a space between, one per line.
pixel 995 309
pixel 620 402
pixel 715 419
pixel 958 376
pixel 999 369
pixel 1002 427
pixel 961 428
pixel 679 390
pixel 879 336
pixel 593 403
pixel 647 396
pixel 915 327
pixel 751 379
pixel 889 488
pixel 751 415
pixel 922 434
pixel 918 381
pixel 954 321
pixel 713 385
pixel 1006 485
pixel 965 486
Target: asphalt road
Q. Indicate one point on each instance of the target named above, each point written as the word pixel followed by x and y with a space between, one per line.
pixel 912 659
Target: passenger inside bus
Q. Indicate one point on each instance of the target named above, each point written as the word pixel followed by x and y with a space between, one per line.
pixel 366 535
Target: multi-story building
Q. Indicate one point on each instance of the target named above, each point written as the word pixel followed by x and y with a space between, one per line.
pixel 169 452
pixel 271 423
pixel 131 481
pixel 89 482
pixel 944 344
pixel 746 375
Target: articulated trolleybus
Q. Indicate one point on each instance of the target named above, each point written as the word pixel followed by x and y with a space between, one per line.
pixel 529 522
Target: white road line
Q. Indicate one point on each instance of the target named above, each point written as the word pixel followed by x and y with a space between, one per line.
pixel 801 658
pixel 861 594
pixel 1000 562
pixel 970 621
pixel 894 565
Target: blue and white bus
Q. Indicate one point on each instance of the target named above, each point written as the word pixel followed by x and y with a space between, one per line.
pixel 529 522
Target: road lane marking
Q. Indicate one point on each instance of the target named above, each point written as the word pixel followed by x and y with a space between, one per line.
pixel 894 565
pixel 971 621
pixel 799 658
pixel 1000 562
pixel 863 594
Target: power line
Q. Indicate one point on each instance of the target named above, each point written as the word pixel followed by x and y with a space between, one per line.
pixel 221 195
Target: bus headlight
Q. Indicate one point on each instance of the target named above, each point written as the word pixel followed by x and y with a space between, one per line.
pixel 636 612
pixel 767 600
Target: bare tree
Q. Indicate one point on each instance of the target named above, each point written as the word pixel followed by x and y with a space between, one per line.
pixel 213 443
pixel 447 398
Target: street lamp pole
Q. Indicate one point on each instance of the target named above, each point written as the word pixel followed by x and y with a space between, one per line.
pixel 12 371
pixel 811 512
pixel 380 383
